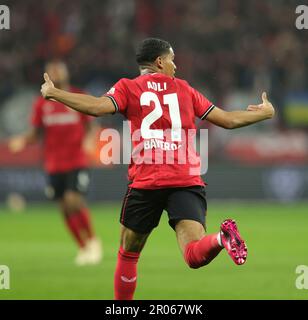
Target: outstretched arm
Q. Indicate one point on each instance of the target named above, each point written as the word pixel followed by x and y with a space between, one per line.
pixel 19 142
pixel 237 119
pixel 94 106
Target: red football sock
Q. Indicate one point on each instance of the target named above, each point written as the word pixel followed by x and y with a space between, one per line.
pixel 201 252
pixel 125 277
pixel 85 221
pixel 73 223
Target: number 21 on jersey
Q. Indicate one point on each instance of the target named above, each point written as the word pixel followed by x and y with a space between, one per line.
pixel 174 111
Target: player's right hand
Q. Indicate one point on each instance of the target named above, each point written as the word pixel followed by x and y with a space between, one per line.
pixel 46 86
pixel 16 144
pixel 266 107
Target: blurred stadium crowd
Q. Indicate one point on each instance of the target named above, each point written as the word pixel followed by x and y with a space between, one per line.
pixel 231 50
pixel 220 45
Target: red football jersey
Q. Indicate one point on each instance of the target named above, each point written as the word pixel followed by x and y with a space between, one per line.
pixel 162 112
pixel 64 131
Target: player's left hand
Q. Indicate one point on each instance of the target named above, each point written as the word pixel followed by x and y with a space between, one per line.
pixel 266 107
pixel 47 86
pixel 254 107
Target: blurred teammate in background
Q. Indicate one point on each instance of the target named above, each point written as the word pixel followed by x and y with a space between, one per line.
pixel 65 133
pixel 156 102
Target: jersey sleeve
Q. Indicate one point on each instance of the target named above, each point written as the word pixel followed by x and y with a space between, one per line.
pixel 202 105
pixel 118 96
pixel 36 116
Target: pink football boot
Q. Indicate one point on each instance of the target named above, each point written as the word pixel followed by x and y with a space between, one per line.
pixel 232 241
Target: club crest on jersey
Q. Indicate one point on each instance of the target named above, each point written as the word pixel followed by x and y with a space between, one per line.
pixel 156 86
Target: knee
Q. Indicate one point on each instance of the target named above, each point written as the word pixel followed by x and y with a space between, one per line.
pixel 71 202
pixel 131 241
pixel 132 245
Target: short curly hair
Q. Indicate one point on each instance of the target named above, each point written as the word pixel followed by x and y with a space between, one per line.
pixel 151 48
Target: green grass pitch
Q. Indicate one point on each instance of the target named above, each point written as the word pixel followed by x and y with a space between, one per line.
pixel 40 253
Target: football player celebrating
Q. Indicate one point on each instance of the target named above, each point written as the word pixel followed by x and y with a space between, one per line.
pixel 163 108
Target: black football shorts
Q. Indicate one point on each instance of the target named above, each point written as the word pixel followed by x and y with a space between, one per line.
pixel 74 180
pixel 142 208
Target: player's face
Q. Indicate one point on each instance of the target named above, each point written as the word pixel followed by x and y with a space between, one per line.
pixel 168 65
pixel 58 73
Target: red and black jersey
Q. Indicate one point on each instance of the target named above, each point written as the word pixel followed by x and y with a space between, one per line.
pixel 64 131
pixel 162 112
